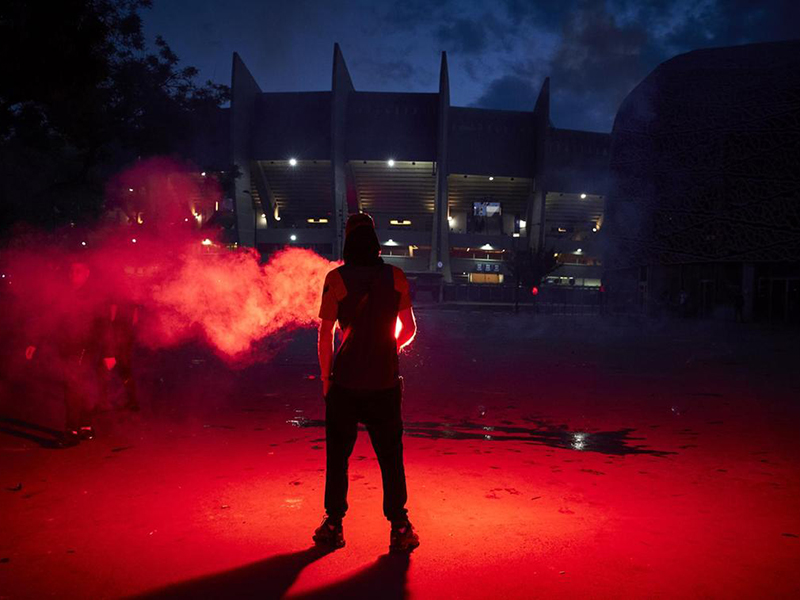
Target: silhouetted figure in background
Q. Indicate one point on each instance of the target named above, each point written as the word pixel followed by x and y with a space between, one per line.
pixel 82 343
pixel 363 384
pixel 738 306
pixel 124 318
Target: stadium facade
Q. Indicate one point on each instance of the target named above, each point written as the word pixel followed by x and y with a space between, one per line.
pixel 704 201
pixel 455 192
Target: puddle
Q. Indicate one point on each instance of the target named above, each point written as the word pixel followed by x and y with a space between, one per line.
pixel 618 443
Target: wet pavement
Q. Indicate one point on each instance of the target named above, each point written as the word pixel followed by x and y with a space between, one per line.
pixel 544 456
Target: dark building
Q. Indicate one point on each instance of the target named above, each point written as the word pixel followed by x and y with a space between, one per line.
pixel 704 205
pixel 454 191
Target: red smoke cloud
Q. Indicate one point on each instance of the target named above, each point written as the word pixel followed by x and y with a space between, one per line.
pixel 154 257
pixel 236 302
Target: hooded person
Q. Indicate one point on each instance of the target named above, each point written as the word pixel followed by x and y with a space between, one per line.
pixel 362 383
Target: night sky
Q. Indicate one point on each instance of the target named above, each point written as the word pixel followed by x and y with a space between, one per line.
pixel 499 52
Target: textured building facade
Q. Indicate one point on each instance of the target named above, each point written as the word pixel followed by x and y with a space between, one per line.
pixel 455 191
pixel 704 204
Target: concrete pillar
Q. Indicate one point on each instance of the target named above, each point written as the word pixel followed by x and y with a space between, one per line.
pixel 535 218
pixel 440 244
pixel 268 202
pixel 538 203
pixel 244 91
pixel 341 88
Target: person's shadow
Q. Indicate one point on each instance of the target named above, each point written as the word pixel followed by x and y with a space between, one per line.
pixel 31 431
pixel 269 578
pixel 385 579
pixel 272 578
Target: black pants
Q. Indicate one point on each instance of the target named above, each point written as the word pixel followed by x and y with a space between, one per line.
pixel 81 385
pixel 379 411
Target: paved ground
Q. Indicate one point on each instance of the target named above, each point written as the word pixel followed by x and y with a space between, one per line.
pixel 545 456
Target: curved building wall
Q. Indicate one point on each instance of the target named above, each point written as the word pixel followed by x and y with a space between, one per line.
pixel 706 160
pixel 703 216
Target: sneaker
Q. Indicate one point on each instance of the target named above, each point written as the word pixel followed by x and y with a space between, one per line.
pixel 86 433
pixel 330 534
pixel 403 538
pixel 69 438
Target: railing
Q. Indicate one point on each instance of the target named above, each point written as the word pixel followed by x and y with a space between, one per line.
pixel 549 300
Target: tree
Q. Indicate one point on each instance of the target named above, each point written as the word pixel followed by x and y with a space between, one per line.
pixel 82 98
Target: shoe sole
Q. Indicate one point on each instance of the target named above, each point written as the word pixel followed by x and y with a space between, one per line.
pixel 326 544
pixel 403 549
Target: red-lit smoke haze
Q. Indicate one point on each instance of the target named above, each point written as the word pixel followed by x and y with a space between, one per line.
pixel 185 289
pixel 235 301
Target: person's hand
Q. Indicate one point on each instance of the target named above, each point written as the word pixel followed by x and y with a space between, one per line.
pixel 109 361
pixel 29 352
pixel 326 385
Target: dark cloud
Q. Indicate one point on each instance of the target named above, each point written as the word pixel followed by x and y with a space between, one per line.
pixel 543 12
pixel 463 35
pixel 509 92
pixel 392 72
pixel 597 63
pixel 414 13
pixel 607 47
pixel 595 51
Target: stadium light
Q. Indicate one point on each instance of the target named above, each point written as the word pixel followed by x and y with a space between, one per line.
pixel 293 237
pixel 583 196
pixel 390 162
pixel 293 162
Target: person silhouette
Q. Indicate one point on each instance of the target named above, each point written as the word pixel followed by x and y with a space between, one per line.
pixel 82 342
pixel 362 384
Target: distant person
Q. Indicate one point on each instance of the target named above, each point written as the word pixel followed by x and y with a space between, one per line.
pixel 124 318
pixel 82 343
pixel 362 384
pixel 738 307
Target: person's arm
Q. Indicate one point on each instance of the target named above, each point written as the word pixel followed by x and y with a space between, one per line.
pixel 325 353
pixel 405 314
pixel 408 328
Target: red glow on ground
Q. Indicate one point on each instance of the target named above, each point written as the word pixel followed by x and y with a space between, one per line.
pixel 217 493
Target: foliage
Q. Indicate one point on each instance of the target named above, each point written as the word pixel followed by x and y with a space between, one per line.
pixel 82 97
